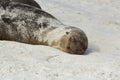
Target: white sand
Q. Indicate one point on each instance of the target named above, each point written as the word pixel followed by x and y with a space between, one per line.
pixel 100 19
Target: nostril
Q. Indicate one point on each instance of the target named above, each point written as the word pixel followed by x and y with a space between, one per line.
pixel 78 50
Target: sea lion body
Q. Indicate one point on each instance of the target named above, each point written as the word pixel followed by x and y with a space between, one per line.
pixel 28 2
pixel 27 24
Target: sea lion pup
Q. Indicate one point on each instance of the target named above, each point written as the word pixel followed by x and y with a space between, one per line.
pixel 27 24
pixel 28 2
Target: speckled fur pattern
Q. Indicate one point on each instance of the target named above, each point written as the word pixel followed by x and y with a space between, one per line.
pixel 28 24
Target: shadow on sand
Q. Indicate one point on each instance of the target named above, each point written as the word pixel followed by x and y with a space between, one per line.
pixel 92 48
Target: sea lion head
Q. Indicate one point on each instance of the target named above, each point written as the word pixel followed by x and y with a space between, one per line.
pixel 74 41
